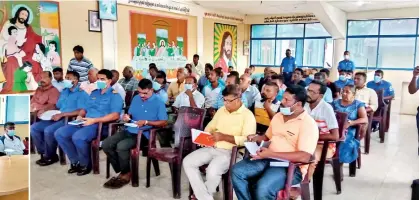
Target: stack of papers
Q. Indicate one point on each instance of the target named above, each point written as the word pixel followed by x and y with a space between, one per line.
pixel 49 114
pixel 202 138
pixel 253 148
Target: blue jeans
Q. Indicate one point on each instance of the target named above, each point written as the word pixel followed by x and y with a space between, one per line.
pixel 255 179
pixel 287 77
pixel 42 133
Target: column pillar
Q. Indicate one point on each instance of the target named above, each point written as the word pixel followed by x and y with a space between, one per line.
pixel 200 37
pixel 109 45
pixel 339 48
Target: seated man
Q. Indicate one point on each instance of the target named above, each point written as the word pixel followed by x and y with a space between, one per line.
pixel 211 91
pixel 177 86
pixel 129 82
pixel 267 107
pixel 45 96
pixel 71 100
pixel 203 80
pixel 311 75
pixel 115 85
pixel 335 92
pixel 90 85
pixel 250 92
pixel 324 115
pixel 328 96
pixel 268 71
pixel 379 84
pixel 364 94
pixel 226 135
pixel 11 141
pixel 279 81
pixel 191 97
pixel 103 105
pixel 297 78
pixel 293 135
pixel 159 86
pixel 231 80
pixel 343 80
pixel 147 111
pixel 58 81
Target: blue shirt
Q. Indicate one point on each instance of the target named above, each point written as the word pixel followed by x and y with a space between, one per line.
pixel 251 95
pixel 341 84
pixel 162 95
pixel 383 85
pixel 279 96
pixel 202 81
pixel 99 105
pixel 219 103
pixel 288 64
pixel 58 85
pixel 220 80
pixel 308 81
pixel 70 101
pixel 153 109
pixel 347 65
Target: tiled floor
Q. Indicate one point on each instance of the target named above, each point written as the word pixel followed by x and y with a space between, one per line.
pixel 386 174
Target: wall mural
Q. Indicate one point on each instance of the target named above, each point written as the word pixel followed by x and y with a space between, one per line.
pixel 225 46
pixel 30 32
pixel 160 40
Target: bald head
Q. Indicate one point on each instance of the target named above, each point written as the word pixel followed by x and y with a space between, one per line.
pixel 128 72
pixel 245 81
pixel 92 75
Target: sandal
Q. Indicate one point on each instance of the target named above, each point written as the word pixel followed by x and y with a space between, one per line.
pixel 119 183
pixel 192 197
pixel 110 182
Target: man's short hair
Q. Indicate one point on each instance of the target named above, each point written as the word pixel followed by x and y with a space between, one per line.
pixel 237 80
pixel 106 72
pixel 58 69
pixel 277 77
pixel 252 67
pixel 299 93
pixel 322 86
pixel 115 71
pixel 361 74
pixel 300 70
pixel 325 70
pixel 74 73
pixel 153 66
pixel 192 77
pixel 49 74
pixel 288 50
pixel 233 90
pixel 219 72
pixel 8 124
pixel 78 48
pixel 208 66
pixel 145 84
pixel 380 72
pixel 235 73
pixel 196 56
pixel 320 74
pixel 346 52
pixel 272 84
pixel 161 74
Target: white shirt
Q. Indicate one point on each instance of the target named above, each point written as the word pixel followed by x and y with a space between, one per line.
pixel 120 90
pixel 367 96
pixel 197 69
pixel 324 116
pixel 211 95
pixel 183 100
pixel 16 144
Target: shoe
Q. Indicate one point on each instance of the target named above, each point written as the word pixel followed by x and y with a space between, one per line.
pixel 84 170
pixel 51 161
pixel 74 168
pixel 41 160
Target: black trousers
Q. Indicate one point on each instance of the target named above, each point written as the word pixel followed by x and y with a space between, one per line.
pixel 117 148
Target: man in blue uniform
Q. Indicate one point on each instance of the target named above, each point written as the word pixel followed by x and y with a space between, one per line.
pixel 379 84
pixel 104 105
pixel 147 110
pixel 71 100
pixel 287 66
pixel 346 64
pixel 343 80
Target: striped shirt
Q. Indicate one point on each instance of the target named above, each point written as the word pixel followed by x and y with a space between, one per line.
pixel 81 67
pixel 129 85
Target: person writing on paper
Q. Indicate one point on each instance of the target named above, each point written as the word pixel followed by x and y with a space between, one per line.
pixel 146 111
pixel 225 134
pixel 90 85
pixel 104 105
pixel 324 115
pixel 72 99
pixel 266 107
pixel 10 143
pixel 190 97
pixel 45 97
pixel 293 135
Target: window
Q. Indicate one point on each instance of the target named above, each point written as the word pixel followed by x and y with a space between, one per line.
pixel 383 43
pixel 270 42
pixel 17 109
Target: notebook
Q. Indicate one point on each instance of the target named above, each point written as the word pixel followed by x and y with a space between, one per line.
pixel 202 138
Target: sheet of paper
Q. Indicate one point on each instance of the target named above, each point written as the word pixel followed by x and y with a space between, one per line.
pixel 76 122
pixel 131 125
pixel 48 115
pixel 252 147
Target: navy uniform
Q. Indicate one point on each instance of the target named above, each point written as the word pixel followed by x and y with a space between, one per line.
pixel 75 140
pixel 42 132
pixel 382 85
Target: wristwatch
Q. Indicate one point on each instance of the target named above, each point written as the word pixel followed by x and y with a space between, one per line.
pixel 145 123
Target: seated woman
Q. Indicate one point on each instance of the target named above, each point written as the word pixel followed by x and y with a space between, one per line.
pixel 160 86
pixel 356 115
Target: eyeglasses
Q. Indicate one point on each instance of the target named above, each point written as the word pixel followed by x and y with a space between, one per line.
pixel 229 101
pixel 312 92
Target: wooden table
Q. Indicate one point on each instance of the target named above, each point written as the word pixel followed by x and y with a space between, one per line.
pixel 14 176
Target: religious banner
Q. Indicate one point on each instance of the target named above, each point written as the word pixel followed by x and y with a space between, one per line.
pixel 225 46
pixel 30 34
pixel 160 40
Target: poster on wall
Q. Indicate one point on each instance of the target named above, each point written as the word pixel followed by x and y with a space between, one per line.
pixel 30 32
pixel 225 46
pixel 160 40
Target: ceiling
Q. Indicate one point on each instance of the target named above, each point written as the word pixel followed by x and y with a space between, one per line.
pixel 255 7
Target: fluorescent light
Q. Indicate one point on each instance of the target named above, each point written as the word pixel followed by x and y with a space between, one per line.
pixel 360 3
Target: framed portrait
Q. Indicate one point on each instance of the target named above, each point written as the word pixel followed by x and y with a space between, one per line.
pixel 94 21
pixel 107 9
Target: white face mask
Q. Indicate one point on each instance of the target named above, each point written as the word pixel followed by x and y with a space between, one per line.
pixel 347 57
pixel 287 110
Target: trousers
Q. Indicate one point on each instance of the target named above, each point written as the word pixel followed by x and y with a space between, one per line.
pixel 42 134
pixel 117 148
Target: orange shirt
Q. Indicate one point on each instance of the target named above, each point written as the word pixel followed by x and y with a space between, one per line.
pixel 299 134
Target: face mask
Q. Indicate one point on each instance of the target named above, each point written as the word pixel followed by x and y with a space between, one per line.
pixel 342 78
pixel 156 86
pixel 377 79
pixel 101 84
pixel 188 86
pixel 68 84
pixel 348 76
pixel 311 77
pixel 11 133
pixel 287 110
pixel 346 57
